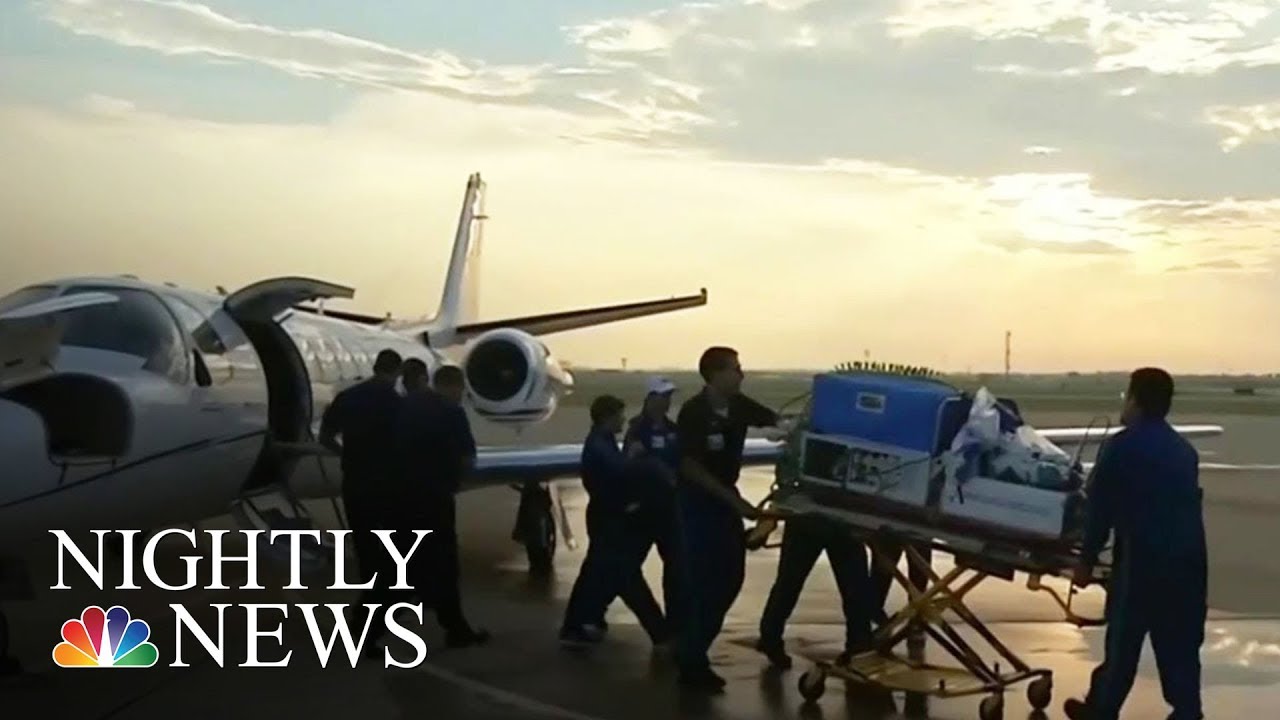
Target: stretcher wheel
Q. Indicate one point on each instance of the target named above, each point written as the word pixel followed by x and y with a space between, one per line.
pixel 812 684
pixel 991 708
pixel 1040 693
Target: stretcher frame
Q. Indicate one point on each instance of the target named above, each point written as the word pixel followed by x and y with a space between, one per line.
pixel 975 556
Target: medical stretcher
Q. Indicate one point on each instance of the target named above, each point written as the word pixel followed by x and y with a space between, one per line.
pixel 976 559
pixel 867 463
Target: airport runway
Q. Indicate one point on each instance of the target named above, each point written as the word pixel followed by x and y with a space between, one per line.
pixel 524 674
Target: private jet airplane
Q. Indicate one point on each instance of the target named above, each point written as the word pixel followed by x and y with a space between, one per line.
pixel 131 405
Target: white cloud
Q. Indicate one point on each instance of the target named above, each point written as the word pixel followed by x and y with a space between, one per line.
pixel 184 28
pixel 804 37
pixel 796 82
pixel 644 104
pixel 653 33
pixel 783 5
pixel 1198 38
pixel 1246 124
pixel 108 106
pixel 753 26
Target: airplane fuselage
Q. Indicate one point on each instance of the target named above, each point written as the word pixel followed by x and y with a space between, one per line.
pixel 168 405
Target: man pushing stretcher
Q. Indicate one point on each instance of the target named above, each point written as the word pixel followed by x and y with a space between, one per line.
pixel 1146 490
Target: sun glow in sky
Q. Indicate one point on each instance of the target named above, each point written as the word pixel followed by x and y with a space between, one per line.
pixel 909 177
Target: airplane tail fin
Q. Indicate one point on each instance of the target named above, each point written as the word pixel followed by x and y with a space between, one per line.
pixel 460 297
pixel 459 302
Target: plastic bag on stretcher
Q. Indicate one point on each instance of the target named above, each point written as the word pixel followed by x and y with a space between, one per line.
pixel 1023 456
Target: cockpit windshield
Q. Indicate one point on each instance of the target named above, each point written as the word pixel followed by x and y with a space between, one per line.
pixel 138 324
pixel 26 296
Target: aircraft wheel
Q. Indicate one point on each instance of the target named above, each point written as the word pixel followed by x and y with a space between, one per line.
pixel 992 708
pixel 1040 692
pixel 812 684
pixel 540 542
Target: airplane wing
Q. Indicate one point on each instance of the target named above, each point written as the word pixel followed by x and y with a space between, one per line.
pixel 495 466
pixel 505 465
pixel 546 323
pixel 1078 435
pixel 1219 467
pixel 548 462
pixel 30 336
pixel 573 319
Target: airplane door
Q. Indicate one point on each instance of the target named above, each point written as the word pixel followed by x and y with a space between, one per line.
pixel 265 299
pixel 228 386
pixel 260 309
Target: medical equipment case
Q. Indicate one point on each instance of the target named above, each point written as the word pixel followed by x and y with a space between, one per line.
pixel 877 442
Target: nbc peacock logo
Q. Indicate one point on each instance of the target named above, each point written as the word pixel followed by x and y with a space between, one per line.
pixel 105 639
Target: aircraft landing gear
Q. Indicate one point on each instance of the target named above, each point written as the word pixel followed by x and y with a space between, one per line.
pixel 536 527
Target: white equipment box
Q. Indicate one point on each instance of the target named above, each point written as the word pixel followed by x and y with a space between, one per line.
pixel 885 472
pixel 1008 506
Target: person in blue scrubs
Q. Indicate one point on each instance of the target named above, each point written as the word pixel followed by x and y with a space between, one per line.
pixel 612 565
pixel 711 431
pixel 653 458
pixel 1146 491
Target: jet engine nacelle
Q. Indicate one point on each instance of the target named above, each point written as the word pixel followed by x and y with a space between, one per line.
pixel 513 378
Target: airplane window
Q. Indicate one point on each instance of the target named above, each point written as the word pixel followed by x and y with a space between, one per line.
pixel 26 296
pixel 346 361
pixel 312 350
pixel 138 324
pixel 327 359
pixel 209 340
pixel 193 321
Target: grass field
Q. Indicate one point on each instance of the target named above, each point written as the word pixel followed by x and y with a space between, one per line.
pixel 1073 393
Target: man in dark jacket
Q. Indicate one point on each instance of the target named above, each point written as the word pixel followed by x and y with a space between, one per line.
pixel 1146 490
pixel 364 416
pixel 436 451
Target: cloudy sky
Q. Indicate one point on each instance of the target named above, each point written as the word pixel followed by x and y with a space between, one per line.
pixel 909 177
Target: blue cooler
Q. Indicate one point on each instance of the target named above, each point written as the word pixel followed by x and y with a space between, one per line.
pixel 903 412
pixel 875 438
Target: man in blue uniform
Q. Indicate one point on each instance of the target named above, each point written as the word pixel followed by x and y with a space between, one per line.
pixel 364 416
pixel 436 450
pixel 1146 489
pixel 802 542
pixel 650 446
pixel 612 565
pixel 711 431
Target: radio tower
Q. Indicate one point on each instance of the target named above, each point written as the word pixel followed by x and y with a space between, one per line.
pixel 1008 351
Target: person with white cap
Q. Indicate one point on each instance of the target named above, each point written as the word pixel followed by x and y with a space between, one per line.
pixel 650 444
pixel 612 565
